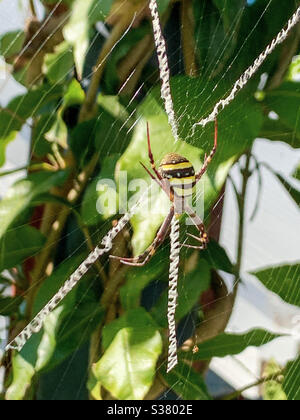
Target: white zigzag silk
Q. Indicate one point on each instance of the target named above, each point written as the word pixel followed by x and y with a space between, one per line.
pixel 173 294
pixel 161 51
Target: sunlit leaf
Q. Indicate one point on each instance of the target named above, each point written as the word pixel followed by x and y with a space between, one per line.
pixel 101 198
pixel 23 372
pixel 59 65
pixel 58 132
pixel 272 390
pixel 127 368
pixel 85 13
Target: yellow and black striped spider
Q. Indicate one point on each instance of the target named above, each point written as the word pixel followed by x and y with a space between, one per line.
pixel 176 176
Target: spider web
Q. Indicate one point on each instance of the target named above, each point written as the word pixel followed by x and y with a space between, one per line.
pixel 228 226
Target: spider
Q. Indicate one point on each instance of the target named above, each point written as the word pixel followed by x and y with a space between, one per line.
pixel 176 176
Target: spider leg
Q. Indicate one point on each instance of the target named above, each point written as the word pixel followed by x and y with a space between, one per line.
pixel 208 159
pixel 151 158
pixel 150 174
pixel 203 238
pixel 150 251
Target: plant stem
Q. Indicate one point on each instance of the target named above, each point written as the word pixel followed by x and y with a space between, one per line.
pixel 33 168
pixel 272 377
pixel 246 174
pixel 32 8
pixel 187 36
pixel 91 97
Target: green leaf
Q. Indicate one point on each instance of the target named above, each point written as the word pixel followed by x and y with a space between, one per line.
pixel 9 305
pixel 285 101
pixel 111 136
pixel 58 132
pixel 11 43
pixel 67 328
pixel 3 144
pixel 293 192
pixel 84 14
pixel 74 95
pixel 19 244
pixel 190 288
pixel 276 130
pixel 233 138
pixel 59 65
pixel 100 201
pixel 217 257
pixel 23 372
pixel 296 173
pixel 283 280
pixel 229 344
pixel 137 318
pixel 14 116
pixel 43 125
pixel 162 6
pixel 185 382
pixel 291 382
pixel 82 141
pixel 20 196
pixel 139 277
pixel 127 368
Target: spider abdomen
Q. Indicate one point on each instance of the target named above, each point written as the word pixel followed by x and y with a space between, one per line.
pixel 180 173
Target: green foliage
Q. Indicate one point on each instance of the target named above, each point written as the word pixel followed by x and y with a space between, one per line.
pixel 11 43
pixel 285 101
pixel 15 115
pixel 59 65
pixel 230 344
pixel 22 194
pixel 290 384
pixel 272 390
pixel 64 329
pixel 132 346
pixel 85 13
pixel 185 382
pixel 19 244
pixel 283 280
pixel 190 288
